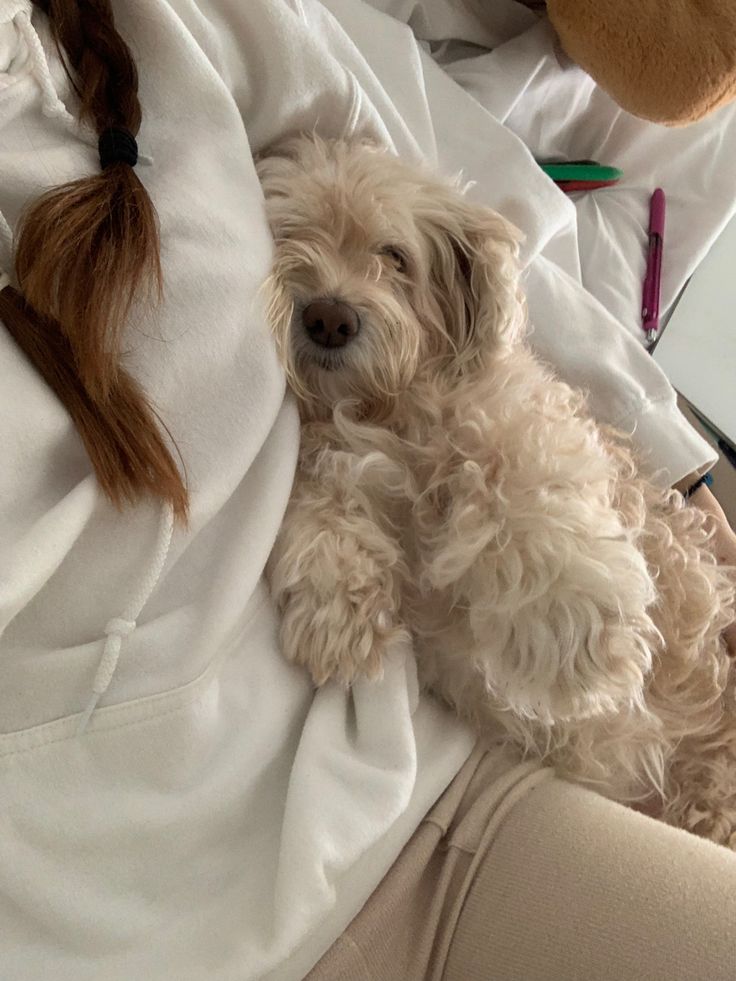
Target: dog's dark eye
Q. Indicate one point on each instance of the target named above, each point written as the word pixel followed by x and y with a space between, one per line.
pixel 396 256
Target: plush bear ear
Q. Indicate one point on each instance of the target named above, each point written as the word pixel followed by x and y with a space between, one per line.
pixel 474 269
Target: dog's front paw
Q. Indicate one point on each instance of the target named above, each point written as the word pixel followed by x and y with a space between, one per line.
pixel 342 639
pixel 335 575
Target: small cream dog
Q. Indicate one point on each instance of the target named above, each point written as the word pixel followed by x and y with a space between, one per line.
pixel 452 493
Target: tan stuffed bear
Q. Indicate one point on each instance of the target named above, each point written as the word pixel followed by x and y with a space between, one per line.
pixel 670 61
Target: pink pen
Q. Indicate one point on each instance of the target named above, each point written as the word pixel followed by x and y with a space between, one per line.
pixel 652 280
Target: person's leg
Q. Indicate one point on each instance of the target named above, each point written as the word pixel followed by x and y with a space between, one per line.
pixel 572 887
pixel 515 875
pixel 405 927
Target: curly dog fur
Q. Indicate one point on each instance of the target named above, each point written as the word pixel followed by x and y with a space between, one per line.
pixel 453 494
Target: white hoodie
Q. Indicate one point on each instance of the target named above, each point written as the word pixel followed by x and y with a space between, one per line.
pixel 215 818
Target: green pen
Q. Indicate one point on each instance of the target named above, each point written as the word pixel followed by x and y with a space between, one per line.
pixel 581 170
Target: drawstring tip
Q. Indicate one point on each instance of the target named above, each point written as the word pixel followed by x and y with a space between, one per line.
pixel 118 628
pixel 87 714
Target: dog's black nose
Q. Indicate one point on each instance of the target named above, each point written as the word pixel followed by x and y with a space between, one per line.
pixel 330 323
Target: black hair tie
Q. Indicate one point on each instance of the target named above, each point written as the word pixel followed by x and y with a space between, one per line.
pixel 117 145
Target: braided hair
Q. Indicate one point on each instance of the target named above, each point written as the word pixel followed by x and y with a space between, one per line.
pixel 86 250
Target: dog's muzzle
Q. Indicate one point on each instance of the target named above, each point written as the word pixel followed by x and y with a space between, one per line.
pixel 330 323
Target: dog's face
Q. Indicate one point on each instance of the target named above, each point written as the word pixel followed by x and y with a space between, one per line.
pixel 380 272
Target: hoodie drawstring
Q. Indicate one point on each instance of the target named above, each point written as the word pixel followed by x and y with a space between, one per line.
pixel 6 248
pixel 120 627
pixel 51 104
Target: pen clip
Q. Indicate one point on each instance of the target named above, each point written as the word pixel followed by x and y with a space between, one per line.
pixel 648 291
pixel 652 281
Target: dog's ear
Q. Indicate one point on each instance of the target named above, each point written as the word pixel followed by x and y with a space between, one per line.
pixel 473 270
pixel 274 164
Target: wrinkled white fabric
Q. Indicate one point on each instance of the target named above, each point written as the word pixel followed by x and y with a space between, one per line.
pixel 217 819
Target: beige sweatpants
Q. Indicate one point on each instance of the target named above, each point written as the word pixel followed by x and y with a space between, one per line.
pixel 515 875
